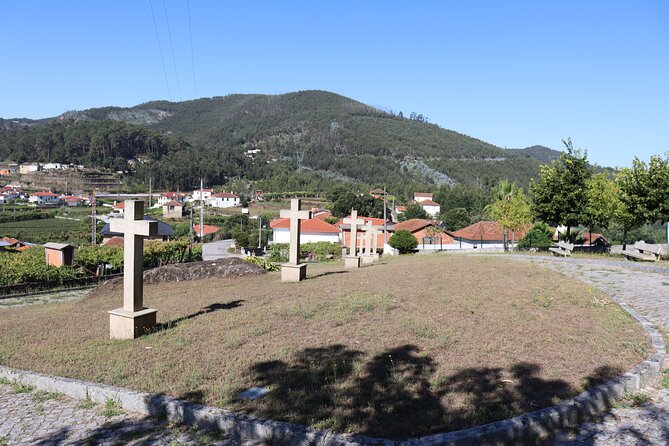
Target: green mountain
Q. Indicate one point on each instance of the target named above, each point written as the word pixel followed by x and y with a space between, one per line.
pixel 307 139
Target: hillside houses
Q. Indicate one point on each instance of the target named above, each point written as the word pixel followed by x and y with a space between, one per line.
pixel 224 200
pixel 44 197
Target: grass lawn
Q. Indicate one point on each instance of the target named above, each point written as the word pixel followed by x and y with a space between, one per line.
pixel 412 346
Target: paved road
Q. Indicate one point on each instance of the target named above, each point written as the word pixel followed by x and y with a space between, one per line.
pixel 217 250
pixel 30 418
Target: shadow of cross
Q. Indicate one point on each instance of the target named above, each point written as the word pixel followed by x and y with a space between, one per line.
pixel 132 319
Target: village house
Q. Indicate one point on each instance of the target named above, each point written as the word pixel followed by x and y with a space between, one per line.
pixel 72 201
pixel 421 196
pixel 486 235
pixel 320 213
pixel 378 222
pixel 117 209
pixel 43 198
pixel 432 208
pixel 173 209
pixel 427 233
pixel 5 172
pixel 312 230
pixel 12 192
pixel 203 195
pixel 29 168
pixel 13 243
pixel 171 196
pixel 54 166
pixel 224 200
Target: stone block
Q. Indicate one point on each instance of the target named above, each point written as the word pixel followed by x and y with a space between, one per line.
pixel 351 262
pixel 367 260
pixel 293 273
pixel 125 324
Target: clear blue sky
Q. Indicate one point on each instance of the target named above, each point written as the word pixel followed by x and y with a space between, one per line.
pixel 511 73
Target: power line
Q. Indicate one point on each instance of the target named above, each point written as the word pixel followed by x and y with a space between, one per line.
pixel 160 49
pixel 192 57
pixel 174 60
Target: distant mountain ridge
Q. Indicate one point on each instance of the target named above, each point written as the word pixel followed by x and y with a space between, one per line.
pixel 316 132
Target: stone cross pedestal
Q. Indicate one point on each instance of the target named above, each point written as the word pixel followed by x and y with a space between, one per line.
pixel 352 260
pixel 132 320
pixel 293 271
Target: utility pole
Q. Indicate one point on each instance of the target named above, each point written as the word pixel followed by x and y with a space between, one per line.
pixel 150 187
pixel 94 222
pixel 385 219
pixel 259 231
pixel 190 235
pixel 201 209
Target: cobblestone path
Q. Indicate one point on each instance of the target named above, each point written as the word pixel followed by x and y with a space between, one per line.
pixel 30 417
pixel 643 420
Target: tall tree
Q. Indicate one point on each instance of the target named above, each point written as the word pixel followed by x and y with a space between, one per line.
pixel 559 195
pixel 602 202
pixel 510 209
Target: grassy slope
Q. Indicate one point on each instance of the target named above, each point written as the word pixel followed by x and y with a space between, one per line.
pixel 393 350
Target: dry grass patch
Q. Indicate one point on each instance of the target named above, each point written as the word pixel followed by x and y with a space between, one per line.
pixel 409 347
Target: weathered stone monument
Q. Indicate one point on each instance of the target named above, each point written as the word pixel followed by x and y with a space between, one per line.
pixel 375 240
pixel 366 257
pixel 294 271
pixel 352 260
pixel 132 320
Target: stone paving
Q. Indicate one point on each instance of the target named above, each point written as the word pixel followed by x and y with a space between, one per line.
pixel 31 417
pixel 643 419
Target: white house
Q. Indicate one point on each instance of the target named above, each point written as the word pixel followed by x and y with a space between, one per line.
pixel 432 208
pixel 313 230
pixel 28 168
pixel 224 200
pixel 171 196
pixel 72 201
pixel 53 166
pixel 206 194
pixel 421 196
pixel 44 198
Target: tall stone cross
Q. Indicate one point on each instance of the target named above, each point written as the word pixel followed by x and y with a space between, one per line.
pixel 368 257
pixel 132 320
pixel 293 271
pixel 352 260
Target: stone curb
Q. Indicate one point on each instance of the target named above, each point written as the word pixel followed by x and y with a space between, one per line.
pixel 523 429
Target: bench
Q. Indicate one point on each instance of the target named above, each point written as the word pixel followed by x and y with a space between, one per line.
pixel 562 249
pixel 643 251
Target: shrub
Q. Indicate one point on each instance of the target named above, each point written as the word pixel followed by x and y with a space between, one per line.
pixel 403 241
pixel 30 266
pixel 319 251
pixel 263 263
pixel 539 236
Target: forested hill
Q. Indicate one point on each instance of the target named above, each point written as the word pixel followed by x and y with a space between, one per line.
pixel 267 137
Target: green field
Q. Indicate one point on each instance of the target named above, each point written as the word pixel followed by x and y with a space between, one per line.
pixel 51 229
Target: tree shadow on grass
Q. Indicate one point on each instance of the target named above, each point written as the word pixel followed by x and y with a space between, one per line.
pixel 208 309
pixel 397 394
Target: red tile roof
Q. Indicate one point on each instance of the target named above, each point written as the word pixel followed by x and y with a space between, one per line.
pixel 313 225
pixel 72 199
pixel 423 194
pixel 225 195
pixel 486 231
pixel 119 205
pixel 44 194
pixel 413 225
pixel 173 203
pixel 114 241
pixel 428 203
pixel 207 229
pixel 172 195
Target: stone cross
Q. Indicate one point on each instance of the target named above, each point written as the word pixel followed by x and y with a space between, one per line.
pixel 293 271
pixel 375 239
pixel 352 260
pixel 132 319
pixel 354 221
pixel 368 237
